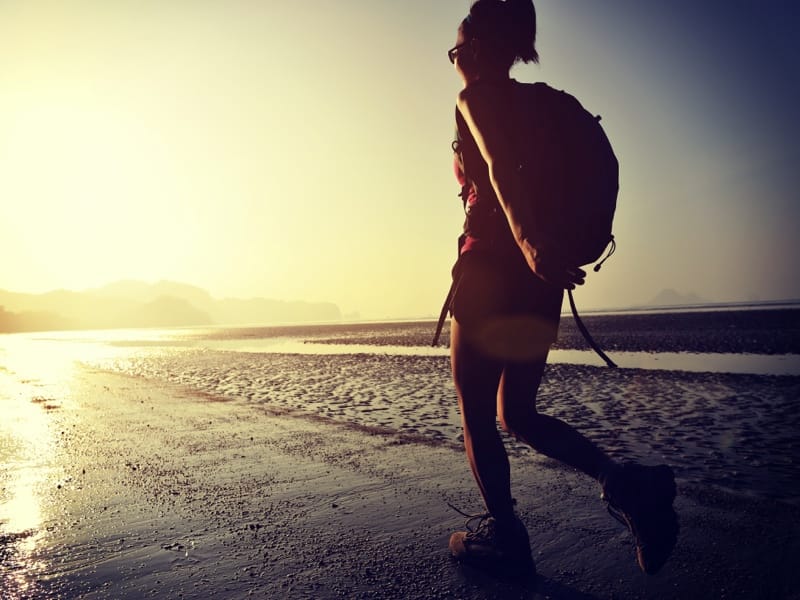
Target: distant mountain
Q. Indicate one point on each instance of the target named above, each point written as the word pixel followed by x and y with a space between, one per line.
pixel 670 297
pixel 145 292
pixel 165 311
pixel 32 321
pixel 139 304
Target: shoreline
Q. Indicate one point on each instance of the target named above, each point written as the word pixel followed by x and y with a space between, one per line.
pixel 769 331
pixel 152 489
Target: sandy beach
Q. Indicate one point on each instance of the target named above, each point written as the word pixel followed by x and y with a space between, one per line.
pixel 183 475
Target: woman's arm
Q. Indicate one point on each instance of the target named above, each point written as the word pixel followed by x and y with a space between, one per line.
pixel 489 111
pixel 486 110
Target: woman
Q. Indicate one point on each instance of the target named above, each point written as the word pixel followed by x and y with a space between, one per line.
pixel 506 309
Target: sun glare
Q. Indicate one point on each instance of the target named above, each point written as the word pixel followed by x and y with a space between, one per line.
pixel 27 445
pixel 95 192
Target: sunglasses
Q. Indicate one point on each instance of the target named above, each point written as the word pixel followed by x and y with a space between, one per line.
pixel 453 52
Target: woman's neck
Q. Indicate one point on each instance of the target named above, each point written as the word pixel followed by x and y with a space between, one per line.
pixel 489 78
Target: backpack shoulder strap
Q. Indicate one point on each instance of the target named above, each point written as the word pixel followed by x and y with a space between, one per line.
pixel 470 158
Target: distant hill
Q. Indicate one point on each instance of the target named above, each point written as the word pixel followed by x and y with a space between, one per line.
pixel 148 292
pixel 670 297
pixel 165 311
pixel 139 304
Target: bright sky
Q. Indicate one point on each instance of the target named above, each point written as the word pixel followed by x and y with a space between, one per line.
pixel 300 150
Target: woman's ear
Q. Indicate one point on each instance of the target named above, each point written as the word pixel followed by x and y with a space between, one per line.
pixel 474 48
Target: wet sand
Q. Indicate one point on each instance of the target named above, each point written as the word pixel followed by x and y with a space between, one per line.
pixel 731 430
pixel 123 486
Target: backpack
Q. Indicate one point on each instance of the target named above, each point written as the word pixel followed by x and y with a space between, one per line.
pixel 571 172
pixel 567 164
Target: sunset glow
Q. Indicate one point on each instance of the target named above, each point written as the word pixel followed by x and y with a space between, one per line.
pixel 300 152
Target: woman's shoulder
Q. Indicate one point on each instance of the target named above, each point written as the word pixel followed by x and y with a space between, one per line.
pixel 498 91
pixel 485 94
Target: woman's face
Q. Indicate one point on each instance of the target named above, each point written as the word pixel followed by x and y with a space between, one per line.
pixel 464 58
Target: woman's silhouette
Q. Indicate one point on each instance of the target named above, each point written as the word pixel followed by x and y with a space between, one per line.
pixel 506 309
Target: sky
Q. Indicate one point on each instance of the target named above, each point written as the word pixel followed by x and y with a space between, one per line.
pixel 301 150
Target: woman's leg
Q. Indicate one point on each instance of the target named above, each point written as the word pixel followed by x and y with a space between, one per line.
pixel 477 378
pixel 548 435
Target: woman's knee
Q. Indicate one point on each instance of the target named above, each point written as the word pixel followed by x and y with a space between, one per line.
pixel 519 421
pixel 517 412
pixel 516 401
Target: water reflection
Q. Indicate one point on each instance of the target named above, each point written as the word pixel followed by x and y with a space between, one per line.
pixel 758 364
pixel 94 346
pixel 28 402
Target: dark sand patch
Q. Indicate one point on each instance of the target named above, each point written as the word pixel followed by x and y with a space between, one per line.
pixel 758 331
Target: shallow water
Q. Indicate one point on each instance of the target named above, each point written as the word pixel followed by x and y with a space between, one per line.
pixel 99 343
pixel 696 362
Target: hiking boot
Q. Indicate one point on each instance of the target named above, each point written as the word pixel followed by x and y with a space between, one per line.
pixel 641 498
pixel 494 544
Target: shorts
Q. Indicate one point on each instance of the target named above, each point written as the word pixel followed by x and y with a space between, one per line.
pixel 502 305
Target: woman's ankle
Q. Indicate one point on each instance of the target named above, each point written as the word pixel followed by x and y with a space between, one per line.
pixel 607 471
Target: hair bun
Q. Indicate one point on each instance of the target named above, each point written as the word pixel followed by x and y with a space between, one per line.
pixel 511 24
pixel 522 21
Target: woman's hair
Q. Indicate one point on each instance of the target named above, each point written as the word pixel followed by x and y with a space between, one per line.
pixel 509 28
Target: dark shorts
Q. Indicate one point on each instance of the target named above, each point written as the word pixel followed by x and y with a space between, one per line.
pixel 502 304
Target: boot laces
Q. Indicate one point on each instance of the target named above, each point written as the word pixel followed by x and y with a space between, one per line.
pixel 478 525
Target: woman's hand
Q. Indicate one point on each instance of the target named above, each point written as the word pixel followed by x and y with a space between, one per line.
pixel 548 268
